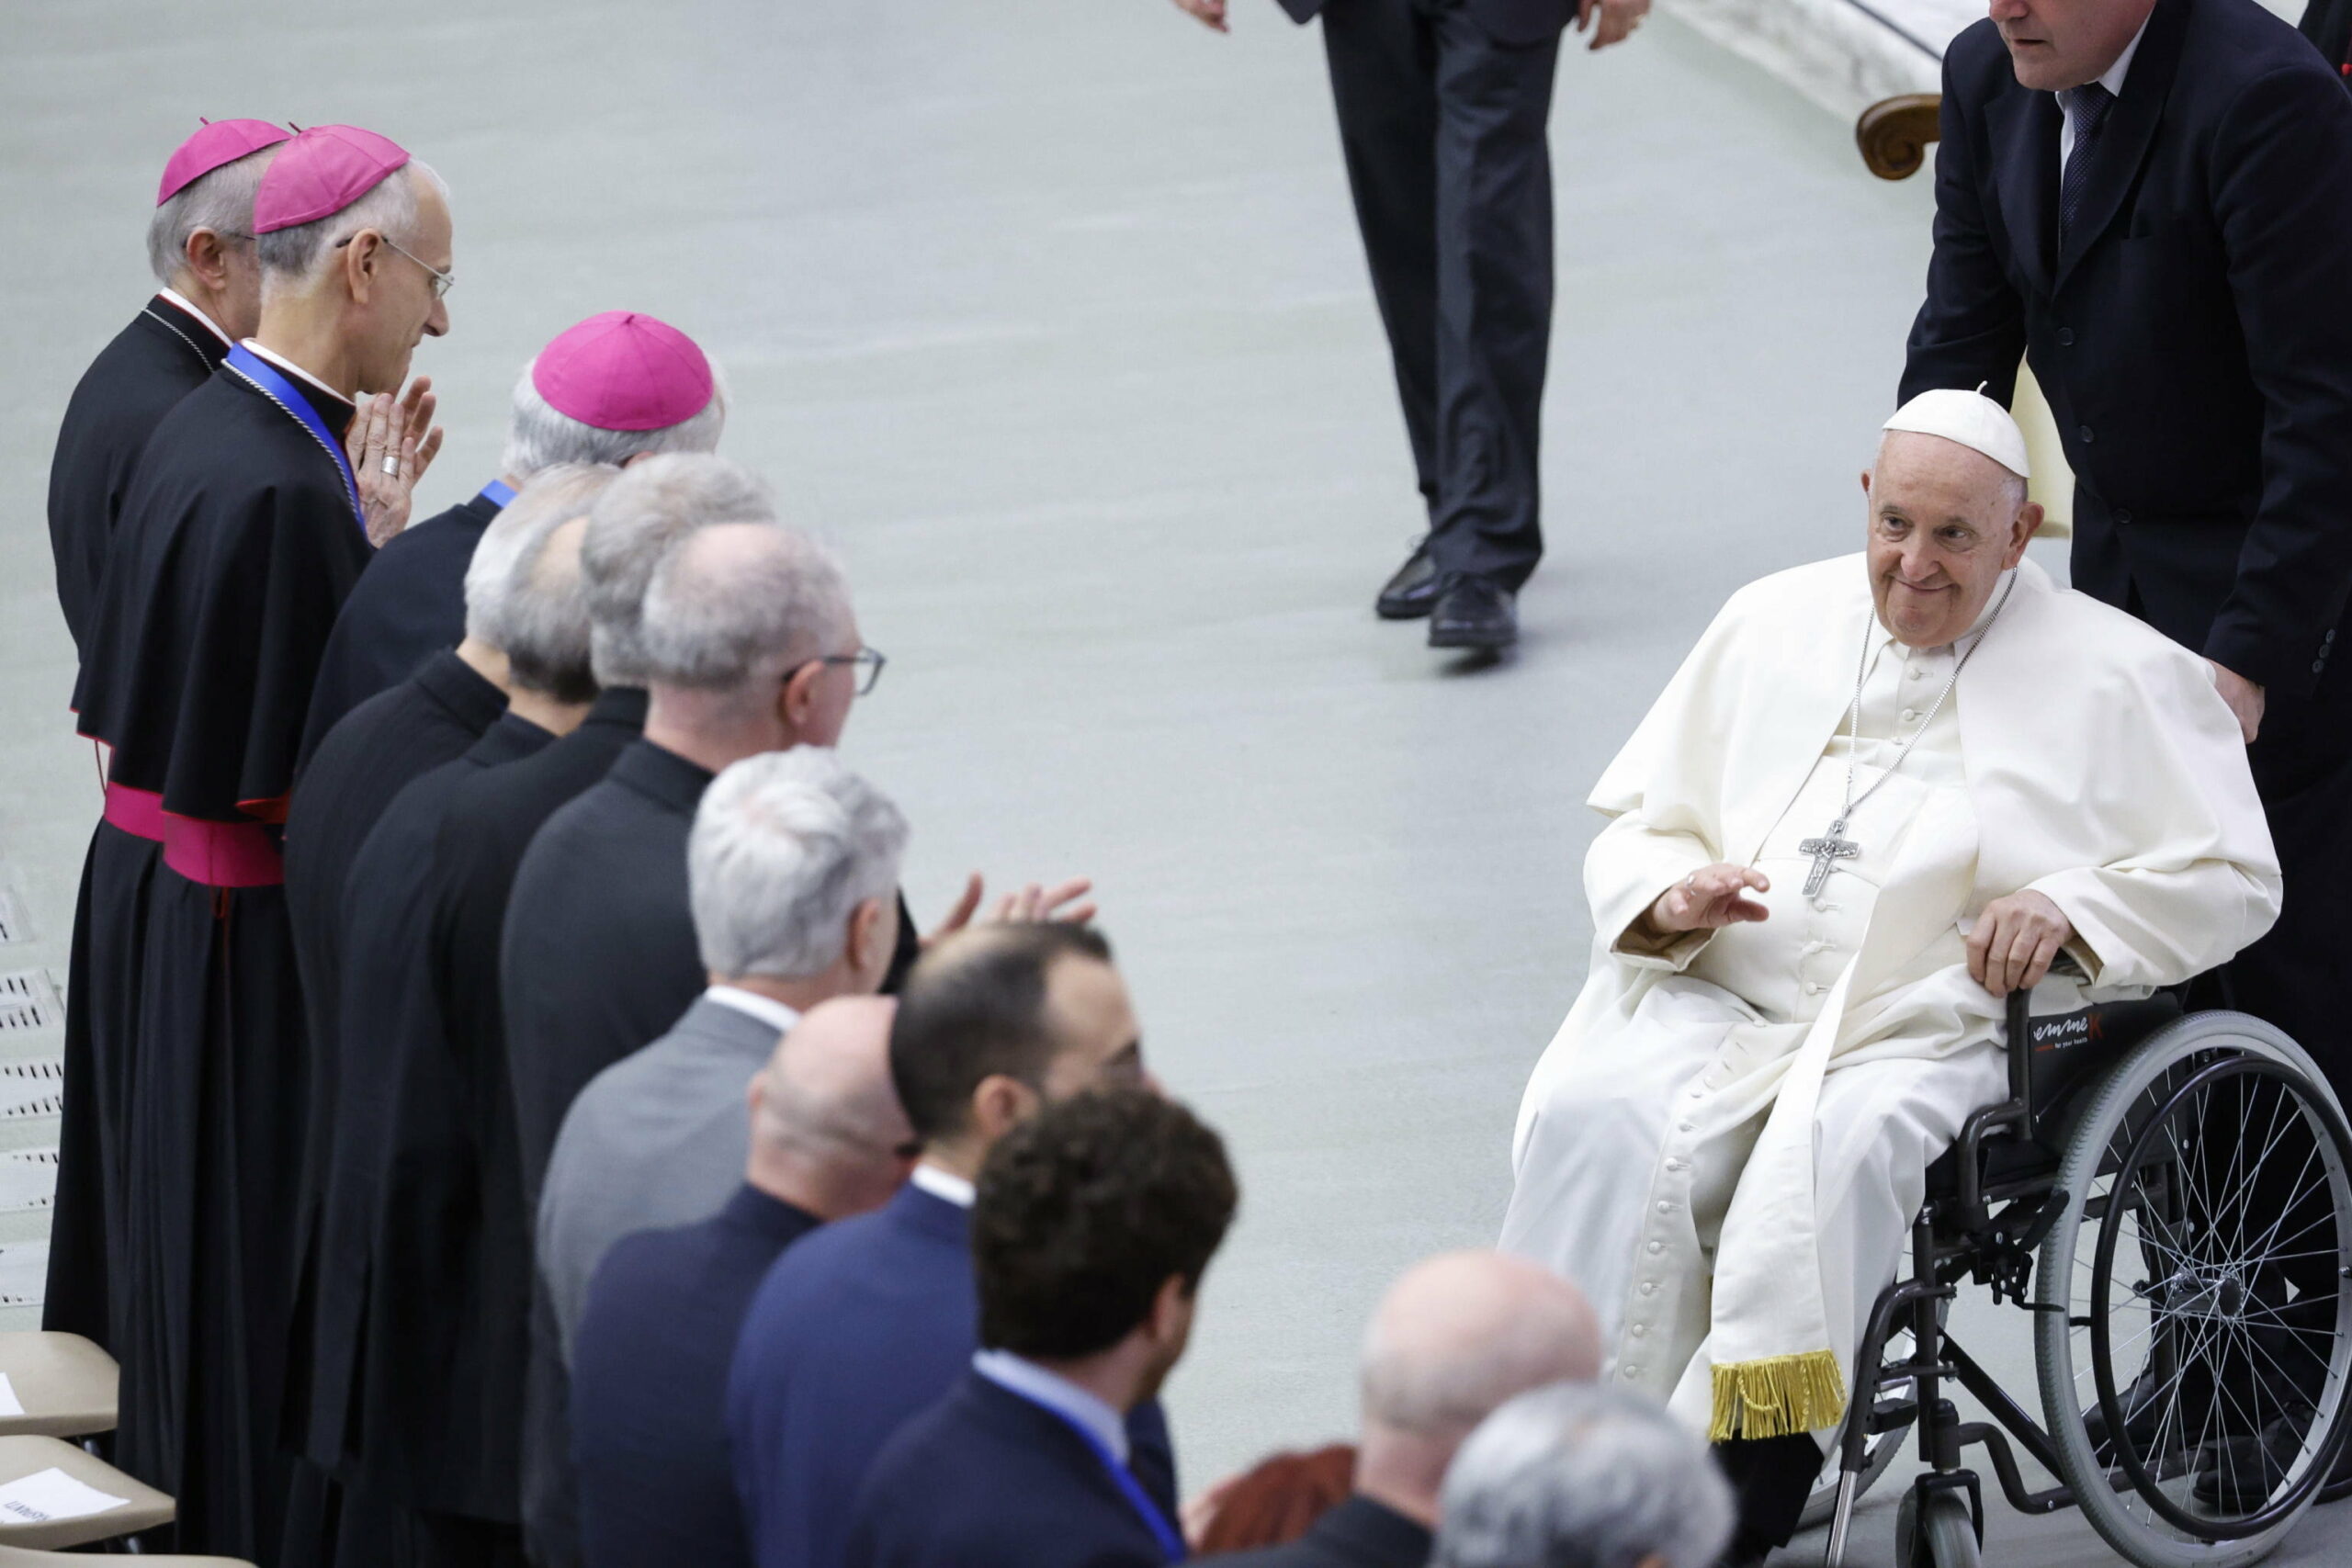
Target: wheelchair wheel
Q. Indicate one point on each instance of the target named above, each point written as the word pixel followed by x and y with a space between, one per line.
pixel 1941 1535
pixel 2192 1331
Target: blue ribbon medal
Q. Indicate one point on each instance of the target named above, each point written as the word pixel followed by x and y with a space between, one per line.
pixel 280 391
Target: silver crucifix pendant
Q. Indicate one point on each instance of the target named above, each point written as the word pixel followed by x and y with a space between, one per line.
pixel 1826 850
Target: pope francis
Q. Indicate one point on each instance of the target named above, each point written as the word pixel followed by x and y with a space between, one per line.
pixel 1884 791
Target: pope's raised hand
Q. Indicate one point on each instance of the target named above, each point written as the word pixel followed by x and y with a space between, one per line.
pixel 2014 941
pixel 1708 899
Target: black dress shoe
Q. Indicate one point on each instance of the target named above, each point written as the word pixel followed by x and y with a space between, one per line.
pixel 1408 596
pixel 1473 611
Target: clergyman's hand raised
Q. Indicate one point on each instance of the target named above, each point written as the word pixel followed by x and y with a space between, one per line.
pixel 1708 899
pixel 392 442
pixel 2014 942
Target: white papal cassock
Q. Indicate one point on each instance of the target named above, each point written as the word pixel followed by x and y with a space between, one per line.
pixel 1727 1141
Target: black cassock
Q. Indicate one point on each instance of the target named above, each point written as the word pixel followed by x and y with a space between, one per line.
pixel 236 543
pixel 384 1307
pixel 164 354
pixel 393 738
pixel 410 603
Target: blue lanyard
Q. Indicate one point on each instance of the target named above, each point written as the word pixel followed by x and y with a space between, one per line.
pixel 1172 1544
pixel 499 493
pixel 280 391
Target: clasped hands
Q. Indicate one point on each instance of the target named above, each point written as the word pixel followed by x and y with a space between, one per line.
pixel 2010 948
pixel 392 442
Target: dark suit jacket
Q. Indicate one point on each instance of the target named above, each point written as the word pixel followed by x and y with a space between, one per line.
pixel 987 1479
pixel 2192 333
pixel 1359 1533
pixel 1508 21
pixel 854 1331
pixel 648 1386
pixel 408 604
pixel 599 957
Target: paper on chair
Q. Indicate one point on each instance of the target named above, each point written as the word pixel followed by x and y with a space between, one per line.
pixel 51 1495
pixel 9 1404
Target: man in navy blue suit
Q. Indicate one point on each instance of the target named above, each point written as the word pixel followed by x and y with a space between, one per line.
pixel 1094 1224
pixel 867 1323
pixel 648 1358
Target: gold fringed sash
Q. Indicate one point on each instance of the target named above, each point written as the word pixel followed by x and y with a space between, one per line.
pixel 1778 1396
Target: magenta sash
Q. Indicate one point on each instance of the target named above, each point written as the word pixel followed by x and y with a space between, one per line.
pixel 216 855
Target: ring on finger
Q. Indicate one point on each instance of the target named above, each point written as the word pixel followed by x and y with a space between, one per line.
pixel 392 466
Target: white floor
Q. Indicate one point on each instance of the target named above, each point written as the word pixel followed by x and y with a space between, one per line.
pixel 1052 315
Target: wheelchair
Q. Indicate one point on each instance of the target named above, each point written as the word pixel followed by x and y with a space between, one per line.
pixel 2169 1197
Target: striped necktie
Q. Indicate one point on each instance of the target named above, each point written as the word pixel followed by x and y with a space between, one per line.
pixel 2086 107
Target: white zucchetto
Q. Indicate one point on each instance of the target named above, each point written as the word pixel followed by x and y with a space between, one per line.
pixel 1974 420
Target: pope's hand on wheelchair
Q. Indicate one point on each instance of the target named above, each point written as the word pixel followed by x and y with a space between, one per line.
pixel 2015 941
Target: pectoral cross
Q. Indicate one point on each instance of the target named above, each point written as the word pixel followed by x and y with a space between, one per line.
pixel 1826 850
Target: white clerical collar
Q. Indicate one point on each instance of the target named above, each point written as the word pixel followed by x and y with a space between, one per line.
pixel 1089 1412
pixel 293 370
pixel 944 1184
pixel 181 301
pixel 767 1010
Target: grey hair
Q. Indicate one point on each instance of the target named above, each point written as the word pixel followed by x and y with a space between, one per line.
pixel 290 255
pixel 724 620
pixel 652 505
pixel 786 846
pixel 221 199
pixel 530 607
pixel 1579 1476
pixel 537 436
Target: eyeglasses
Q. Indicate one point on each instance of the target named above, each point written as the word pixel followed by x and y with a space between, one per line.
pixel 442 281
pixel 867 661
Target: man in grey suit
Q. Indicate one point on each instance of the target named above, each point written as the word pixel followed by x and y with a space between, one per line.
pixel 793 871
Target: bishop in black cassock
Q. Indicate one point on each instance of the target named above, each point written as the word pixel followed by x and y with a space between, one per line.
pixel 170 348
pixel 605 391
pixel 241 534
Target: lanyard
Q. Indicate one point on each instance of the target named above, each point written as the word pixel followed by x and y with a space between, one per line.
pixel 1171 1545
pixel 499 493
pixel 280 391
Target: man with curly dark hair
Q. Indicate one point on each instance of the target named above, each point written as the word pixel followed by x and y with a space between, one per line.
pixel 1094 1223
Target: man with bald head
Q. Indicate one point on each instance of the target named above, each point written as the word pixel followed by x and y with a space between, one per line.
pixel 650 1353
pixel 1882 792
pixel 1455 1337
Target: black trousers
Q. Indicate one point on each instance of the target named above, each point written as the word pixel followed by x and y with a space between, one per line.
pixel 1443 132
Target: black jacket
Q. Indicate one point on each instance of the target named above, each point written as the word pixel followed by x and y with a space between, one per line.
pixel 1359 1533
pixel 2191 334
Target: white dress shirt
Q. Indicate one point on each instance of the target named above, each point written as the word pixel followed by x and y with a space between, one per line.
pixel 944 1184
pixel 1087 1410
pixel 2112 80
pixel 767 1010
